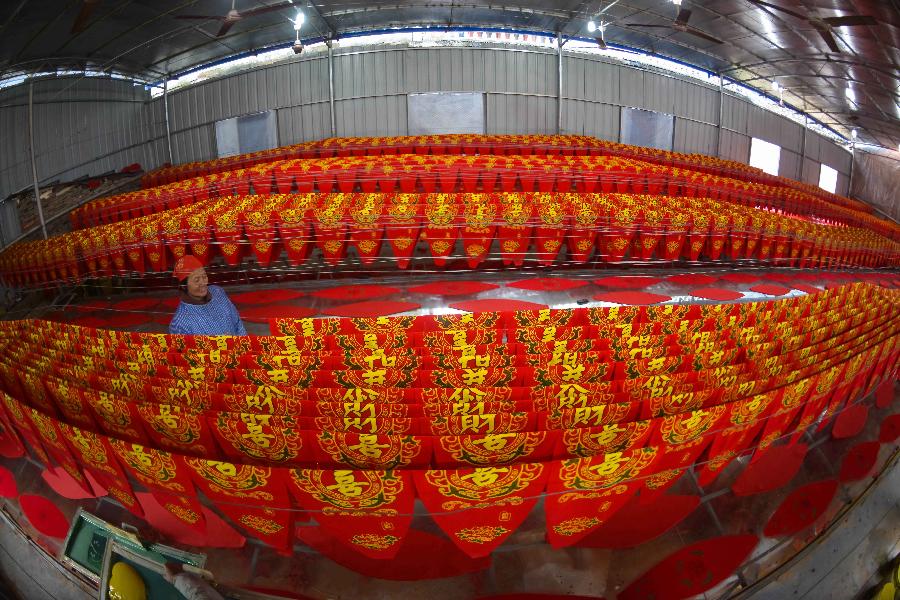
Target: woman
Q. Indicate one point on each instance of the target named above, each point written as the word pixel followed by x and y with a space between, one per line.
pixel 205 309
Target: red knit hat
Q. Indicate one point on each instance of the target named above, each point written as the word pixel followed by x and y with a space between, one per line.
pixel 186 265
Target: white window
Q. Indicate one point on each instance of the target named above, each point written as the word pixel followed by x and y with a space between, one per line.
pixel 765 156
pixel 828 178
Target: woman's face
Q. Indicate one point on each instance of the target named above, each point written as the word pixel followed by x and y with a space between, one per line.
pixel 196 283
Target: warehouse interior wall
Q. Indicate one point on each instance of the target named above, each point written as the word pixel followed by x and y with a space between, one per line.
pixel 82 126
pixel 876 179
pixel 93 125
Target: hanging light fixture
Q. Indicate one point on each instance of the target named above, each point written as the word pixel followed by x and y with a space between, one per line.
pixel 601 39
pixel 592 27
pixel 297 47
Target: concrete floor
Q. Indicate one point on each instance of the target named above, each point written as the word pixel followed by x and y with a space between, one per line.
pixel 842 564
pixel 32 573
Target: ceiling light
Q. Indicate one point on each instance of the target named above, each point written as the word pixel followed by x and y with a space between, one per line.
pixel 592 27
pixel 297 47
pixel 676 2
pixel 298 21
pixel 853 134
pixel 601 39
pixel 775 86
pixel 851 94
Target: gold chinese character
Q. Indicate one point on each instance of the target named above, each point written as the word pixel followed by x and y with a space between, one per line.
pixel 168 417
pixel 475 423
pixel 485 476
pixel 695 420
pixel 255 432
pixel 346 484
pixel 474 376
pixel 570 393
pixel 572 372
pixel 610 464
pixel 495 441
pixel 608 435
pixel 467 408
pixel 260 403
pixel 467 395
pixel 358 408
pixel 374 377
pixel 584 415
pixel 359 424
pixel 278 375
pixel 368 446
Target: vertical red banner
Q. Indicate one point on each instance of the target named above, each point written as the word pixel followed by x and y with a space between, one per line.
pixel 584 492
pixel 369 511
pixel 480 508
pixel 255 498
pixel 96 456
pixel 167 479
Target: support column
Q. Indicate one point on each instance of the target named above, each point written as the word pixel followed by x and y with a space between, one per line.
pixel 803 147
pixel 559 83
pixel 852 160
pixel 168 127
pixel 34 177
pixel 331 86
pixel 721 114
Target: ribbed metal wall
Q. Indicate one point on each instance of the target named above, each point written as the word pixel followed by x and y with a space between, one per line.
pixel 120 125
pixel 82 126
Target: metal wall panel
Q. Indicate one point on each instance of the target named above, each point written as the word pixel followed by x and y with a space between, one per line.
pixel 115 123
pixel 15 171
pixel 278 86
pixel 843 184
pixel 80 126
pixel 593 80
pixel 735 114
pixel 789 164
pixel 696 102
pixel 520 114
pixel 384 116
pixel 759 125
pixel 693 137
pixel 631 88
pixel 774 128
pixel 591 118
pixel 813 145
pixel 574 77
pixel 298 124
pixel 735 146
pixel 811 171
pixel 659 93
pixel 835 157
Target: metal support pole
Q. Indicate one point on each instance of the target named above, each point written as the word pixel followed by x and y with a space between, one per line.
pixel 852 160
pixel 721 114
pixel 168 127
pixel 331 87
pixel 559 82
pixel 803 148
pixel 34 178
